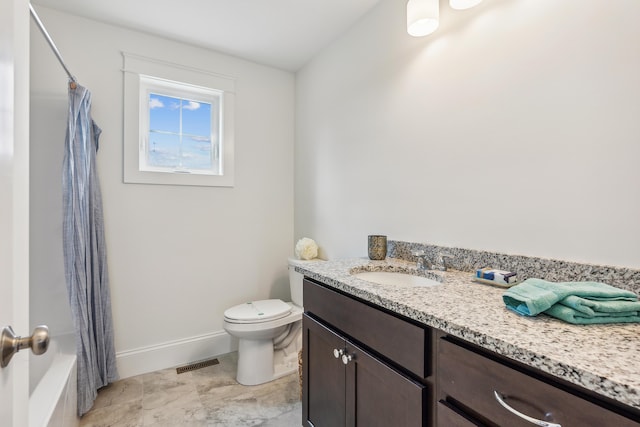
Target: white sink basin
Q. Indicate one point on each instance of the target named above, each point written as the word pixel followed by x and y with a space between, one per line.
pixel 395 279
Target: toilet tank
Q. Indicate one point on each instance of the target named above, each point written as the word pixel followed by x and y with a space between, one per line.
pixel 295 279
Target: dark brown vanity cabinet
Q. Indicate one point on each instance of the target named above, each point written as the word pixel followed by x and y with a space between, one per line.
pixel 365 366
pixel 472 382
pixel 349 382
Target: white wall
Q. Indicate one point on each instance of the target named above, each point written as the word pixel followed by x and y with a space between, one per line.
pixel 514 128
pixel 178 256
pixel 49 303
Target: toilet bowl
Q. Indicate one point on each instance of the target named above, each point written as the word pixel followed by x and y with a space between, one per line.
pixel 269 333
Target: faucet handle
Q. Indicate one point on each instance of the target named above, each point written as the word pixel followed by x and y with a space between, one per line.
pixel 443 258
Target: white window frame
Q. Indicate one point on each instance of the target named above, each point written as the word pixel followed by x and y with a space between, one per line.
pixel 143 74
pixel 152 85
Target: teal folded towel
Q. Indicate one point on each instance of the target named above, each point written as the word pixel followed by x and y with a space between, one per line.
pixel 571 315
pixel 573 301
pixel 592 308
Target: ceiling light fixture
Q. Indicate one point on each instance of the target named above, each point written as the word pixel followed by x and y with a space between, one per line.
pixel 463 4
pixel 423 17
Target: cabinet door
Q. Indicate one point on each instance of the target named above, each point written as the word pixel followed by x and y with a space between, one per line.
pixel 323 403
pixel 378 395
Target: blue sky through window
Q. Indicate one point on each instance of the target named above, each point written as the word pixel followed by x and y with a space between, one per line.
pixel 179 133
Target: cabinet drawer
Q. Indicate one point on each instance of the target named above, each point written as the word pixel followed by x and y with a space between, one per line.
pixel 397 339
pixel 449 416
pixel 468 380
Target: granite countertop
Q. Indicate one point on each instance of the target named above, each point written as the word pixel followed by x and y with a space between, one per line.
pixel 601 358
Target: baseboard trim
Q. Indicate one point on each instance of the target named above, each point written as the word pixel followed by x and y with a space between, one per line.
pixel 173 353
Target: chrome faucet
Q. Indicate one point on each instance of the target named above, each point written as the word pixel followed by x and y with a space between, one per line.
pixel 442 263
pixel 422 262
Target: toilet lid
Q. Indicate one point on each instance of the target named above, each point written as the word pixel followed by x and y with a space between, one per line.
pixel 256 311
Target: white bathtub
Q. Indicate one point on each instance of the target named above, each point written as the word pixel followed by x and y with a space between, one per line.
pixel 52 385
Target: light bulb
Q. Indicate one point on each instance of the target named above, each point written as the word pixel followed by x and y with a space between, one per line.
pixel 423 17
pixel 463 4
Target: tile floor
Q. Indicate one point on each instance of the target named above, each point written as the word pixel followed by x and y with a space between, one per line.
pixel 204 397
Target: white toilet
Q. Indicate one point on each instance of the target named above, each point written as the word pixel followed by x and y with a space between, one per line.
pixel 269 333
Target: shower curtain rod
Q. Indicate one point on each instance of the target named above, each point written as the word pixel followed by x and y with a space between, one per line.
pixel 46 35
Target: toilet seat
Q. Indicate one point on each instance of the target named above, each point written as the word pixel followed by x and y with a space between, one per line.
pixel 257 311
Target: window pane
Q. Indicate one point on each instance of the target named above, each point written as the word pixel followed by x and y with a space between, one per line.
pixel 164 113
pixel 196 118
pixel 164 150
pixel 196 153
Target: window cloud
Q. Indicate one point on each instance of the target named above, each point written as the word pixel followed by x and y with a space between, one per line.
pixel 155 103
pixel 191 105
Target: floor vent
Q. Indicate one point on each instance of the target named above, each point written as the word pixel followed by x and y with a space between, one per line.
pixel 196 365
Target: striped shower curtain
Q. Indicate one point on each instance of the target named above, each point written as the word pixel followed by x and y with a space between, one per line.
pixel 85 255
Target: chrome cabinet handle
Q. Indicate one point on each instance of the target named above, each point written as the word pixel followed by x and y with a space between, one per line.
pixel 340 354
pixel 521 415
pixel 346 358
pixel 10 343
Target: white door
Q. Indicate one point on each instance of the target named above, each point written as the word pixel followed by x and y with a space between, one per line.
pixel 14 203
